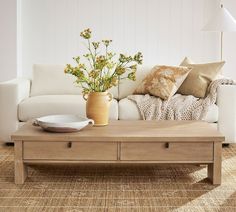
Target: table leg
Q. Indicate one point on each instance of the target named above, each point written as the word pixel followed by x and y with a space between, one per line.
pixel 214 169
pixel 20 167
pixel 20 172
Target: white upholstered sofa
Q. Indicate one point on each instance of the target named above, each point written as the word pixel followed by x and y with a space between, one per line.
pixel 50 91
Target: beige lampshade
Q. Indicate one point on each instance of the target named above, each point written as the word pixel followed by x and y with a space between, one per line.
pixel 222 21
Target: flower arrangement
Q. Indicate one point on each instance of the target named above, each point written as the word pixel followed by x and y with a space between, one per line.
pixel 102 71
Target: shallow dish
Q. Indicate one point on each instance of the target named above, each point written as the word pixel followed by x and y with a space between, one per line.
pixel 62 123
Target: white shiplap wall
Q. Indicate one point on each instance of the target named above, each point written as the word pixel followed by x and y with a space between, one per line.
pixel 163 30
pixel 229 43
pixel 8 23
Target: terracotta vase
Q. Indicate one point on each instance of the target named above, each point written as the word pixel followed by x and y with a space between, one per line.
pixel 97 107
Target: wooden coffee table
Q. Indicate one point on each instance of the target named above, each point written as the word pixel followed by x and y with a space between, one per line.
pixel 169 142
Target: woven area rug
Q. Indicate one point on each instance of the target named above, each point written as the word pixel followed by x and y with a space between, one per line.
pixel 117 188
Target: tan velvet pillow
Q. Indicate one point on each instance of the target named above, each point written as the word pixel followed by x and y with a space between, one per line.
pixel 199 78
pixel 163 81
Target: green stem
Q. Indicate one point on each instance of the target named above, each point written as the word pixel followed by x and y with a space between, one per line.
pixel 89 48
pixel 81 84
pixel 93 57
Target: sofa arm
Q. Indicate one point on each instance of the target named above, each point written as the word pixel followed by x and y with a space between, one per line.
pixel 226 101
pixel 11 94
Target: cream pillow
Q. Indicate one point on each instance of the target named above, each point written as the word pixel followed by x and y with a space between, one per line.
pixel 199 78
pixel 163 81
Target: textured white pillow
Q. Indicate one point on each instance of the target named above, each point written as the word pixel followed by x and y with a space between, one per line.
pixel 51 79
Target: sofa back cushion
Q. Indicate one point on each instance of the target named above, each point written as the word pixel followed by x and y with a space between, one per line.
pixel 51 80
pixel 127 87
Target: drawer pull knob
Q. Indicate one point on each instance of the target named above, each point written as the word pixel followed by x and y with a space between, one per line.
pixel 167 145
pixel 69 145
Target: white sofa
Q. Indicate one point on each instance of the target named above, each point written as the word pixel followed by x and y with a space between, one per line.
pixel 50 91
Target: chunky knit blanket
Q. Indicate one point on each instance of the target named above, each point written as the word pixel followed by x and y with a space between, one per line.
pixel 179 107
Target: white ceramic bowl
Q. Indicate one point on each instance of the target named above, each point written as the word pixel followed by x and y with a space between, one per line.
pixel 62 123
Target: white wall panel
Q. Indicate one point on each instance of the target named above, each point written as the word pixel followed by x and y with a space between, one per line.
pixel 229 43
pixel 164 30
pixel 8 32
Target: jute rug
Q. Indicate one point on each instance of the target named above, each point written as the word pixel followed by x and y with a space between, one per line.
pixel 117 188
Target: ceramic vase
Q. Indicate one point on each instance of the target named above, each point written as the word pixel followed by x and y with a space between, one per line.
pixel 97 107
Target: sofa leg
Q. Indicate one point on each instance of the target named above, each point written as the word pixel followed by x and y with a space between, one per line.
pixel 225 145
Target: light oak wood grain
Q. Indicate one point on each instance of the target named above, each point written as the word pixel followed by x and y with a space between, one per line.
pixel 32 161
pixel 20 166
pixel 122 142
pixel 214 169
pixel 77 151
pixel 160 152
pixel 129 131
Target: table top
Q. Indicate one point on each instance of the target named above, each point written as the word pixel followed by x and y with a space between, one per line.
pixel 128 131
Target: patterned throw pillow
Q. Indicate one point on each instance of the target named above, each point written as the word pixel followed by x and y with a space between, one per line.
pixel 163 81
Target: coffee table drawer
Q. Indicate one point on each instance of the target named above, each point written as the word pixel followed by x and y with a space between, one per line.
pixel 167 151
pixel 70 151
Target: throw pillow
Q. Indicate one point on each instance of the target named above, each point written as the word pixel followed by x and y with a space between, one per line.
pixel 199 78
pixel 163 81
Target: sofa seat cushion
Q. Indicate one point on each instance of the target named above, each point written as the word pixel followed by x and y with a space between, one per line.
pixel 38 106
pixel 128 110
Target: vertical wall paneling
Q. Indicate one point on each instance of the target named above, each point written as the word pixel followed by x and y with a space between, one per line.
pixel 118 24
pixel 8 39
pixel 141 27
pixel 175 43
pixel 164 30
pixel 229 43
pixel 187 28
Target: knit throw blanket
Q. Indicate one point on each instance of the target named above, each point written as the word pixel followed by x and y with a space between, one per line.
pixel 179 107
